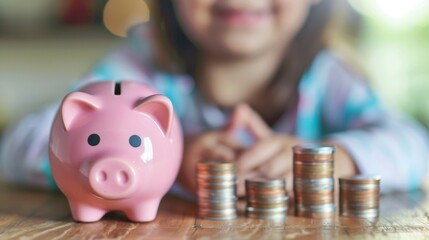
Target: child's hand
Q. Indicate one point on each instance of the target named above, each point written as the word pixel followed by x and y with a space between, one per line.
pixel 208 145
pixel 270 158
pixel 271 154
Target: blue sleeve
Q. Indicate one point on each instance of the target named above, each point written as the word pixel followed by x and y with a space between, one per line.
pixel 380 141
pixel 24 150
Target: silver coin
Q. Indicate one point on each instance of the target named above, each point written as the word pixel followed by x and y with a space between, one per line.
pixel 315 208
pixel 223 202
pixel 360 214
pixel 268 200
pixel 362 205
pixel 314 181
pixel 279 209
pixel 231 177
pixel 216 184
pixel 214 193
pixel 262 182
pixel 320 187
pixel 313 149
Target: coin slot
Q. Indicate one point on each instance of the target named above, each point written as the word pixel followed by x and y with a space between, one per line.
pixel 118 88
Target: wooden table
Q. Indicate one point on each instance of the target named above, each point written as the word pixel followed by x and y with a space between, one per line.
pixel 32 214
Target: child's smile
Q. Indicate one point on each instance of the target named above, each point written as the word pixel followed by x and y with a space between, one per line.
pixel 242 15
pixel 232 28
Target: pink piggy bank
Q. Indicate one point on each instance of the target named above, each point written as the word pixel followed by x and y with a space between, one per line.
pixel 115 147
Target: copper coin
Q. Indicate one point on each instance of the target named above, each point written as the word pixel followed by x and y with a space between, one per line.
pixel 310 199
pixel 357 209
pixel 355 197
pixel 365 192
pixel 313 169
pixel 266 194
pixel 318 202
pixel 225 184
pixel 314 176
pixel 266 210
pixel 313 163
pixel 360 179
pixel 216 176
pixel 315 188
pixel 313 159
pixel 313 181
pixel 265 183
pixel 216 196
pixel 215 171
pixel 312 192
pixel 267 206
pixel 258 199
pixel 264 188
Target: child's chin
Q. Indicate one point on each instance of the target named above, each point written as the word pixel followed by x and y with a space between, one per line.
pixel 241 49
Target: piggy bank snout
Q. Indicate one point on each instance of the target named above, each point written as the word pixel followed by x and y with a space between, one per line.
pixel 112 178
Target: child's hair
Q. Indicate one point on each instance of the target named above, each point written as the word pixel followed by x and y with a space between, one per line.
pixel 176 52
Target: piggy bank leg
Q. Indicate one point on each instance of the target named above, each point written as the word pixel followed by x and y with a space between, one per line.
pixel 85 213
pixel 144 211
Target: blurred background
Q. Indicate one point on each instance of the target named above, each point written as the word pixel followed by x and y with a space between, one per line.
pixel 394 50
pixel 46 45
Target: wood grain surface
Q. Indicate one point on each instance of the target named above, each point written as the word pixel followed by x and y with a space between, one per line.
pixel 31 214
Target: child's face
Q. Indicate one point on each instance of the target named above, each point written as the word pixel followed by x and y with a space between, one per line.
pixel 241 28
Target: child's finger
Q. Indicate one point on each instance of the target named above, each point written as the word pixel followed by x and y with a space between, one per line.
pixel 289 182
pixel 278 165
pixel 241 190
pixel 244 117
pixel 230 141
pixel 258 154
pixel 221 152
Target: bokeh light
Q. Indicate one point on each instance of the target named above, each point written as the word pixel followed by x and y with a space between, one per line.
pixel 394 48
pixel 121 15
pixel 394 13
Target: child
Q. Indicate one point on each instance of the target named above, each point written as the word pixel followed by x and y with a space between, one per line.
pixel 258 66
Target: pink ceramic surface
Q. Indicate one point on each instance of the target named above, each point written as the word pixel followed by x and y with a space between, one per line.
pixel 115 147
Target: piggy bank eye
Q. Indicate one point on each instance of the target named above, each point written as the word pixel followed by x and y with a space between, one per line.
pixel 93 139
pixel 135 141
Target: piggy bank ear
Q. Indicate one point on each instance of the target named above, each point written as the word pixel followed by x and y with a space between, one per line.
pixel 159 108
pixel 75 108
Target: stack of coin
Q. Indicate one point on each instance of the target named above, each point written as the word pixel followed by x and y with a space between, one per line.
pixel 266 199
pixel 313 182
pixel 360 196
pixel 216 190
